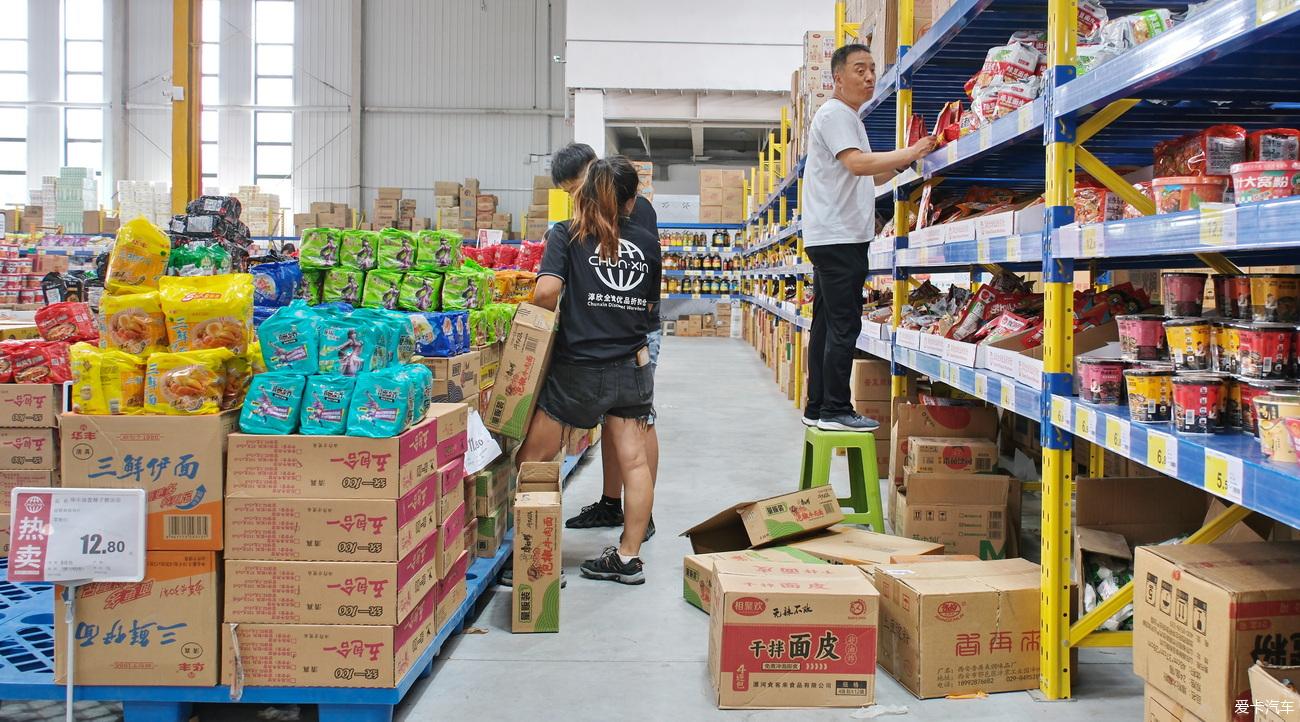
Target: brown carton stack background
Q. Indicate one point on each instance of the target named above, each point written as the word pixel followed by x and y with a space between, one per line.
pixel 869 385
pixel 536 221
pixel 645 173
pixel 29 451
pixel 393 211
pixel 324 214
pixel 491 493
pixel 722 196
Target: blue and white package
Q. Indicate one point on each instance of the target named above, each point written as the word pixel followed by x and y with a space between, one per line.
pixel 275 284
pixel 325 405
pixel 273 403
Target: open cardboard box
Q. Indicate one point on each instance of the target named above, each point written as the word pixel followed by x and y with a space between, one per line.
pixel 1009 357
pixel 756 523
pixel 1024 218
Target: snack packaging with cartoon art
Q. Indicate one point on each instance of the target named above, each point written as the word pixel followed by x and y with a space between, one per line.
pixel 273 404
pixel 325 405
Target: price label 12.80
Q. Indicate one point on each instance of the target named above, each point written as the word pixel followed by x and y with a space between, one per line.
pixel 77 535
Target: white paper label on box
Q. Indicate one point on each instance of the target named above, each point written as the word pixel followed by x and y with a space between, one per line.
pixel 933 343
pixel 77 535
pixel 1223 475
pixel 1162 453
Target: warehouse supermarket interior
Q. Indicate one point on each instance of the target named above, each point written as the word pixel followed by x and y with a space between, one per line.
pixel 397 360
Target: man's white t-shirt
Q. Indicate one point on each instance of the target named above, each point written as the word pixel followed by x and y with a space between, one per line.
pixel 838 207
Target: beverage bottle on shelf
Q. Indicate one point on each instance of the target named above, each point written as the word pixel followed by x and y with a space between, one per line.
pixel 719 239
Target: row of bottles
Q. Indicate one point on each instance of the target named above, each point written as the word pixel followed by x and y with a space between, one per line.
pixel 678 239
pixel 699 285
pixel 698 262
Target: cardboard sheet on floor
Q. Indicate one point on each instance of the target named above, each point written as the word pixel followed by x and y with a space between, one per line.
pixel 849 545
pixel 765 521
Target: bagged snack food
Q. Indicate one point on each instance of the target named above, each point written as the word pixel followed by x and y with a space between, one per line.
pixel 274 403
pixel 105 381
pixel 276 283
pixel 524 286
pixel 39 362
pixel 206 312
pixel 382 290
pixel 438 250
pixel 343 284
pixel 503 316
pixel 405 331
pixel 309 287
pixel 380 404
pixel 225 207
pixel 1091 16
pixel 478 327
pixel 482 286
pixel 1274 144
pixel 396 250
pixel 435 334
pixel 460 331
pixel 420 291
pixel 256 364
pixel 67 321
pixel 359 250
pixel 387 333
pixel 1212 151
pixel 138 258
pixel 290 339
pixel 319 248
pixel 347 346
pixel 422 378
pixel 185 383
pixel 198 259
pixel 459 290
pixel 236 373
pixel 326 399
pixel 1131 31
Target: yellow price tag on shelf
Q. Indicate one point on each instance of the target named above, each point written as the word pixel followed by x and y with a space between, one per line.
pixel 1269 10
pixel 981 386
pixel 1223 475
pixel 1091 240
pixel 986 136
pixel 1025 118
pixel 1060 412
pixel 951 153
pixel 1008 395
pixel 1013 249
pixel 1085 423
pixel 1118 435
pixel 1218 224
pixel 981 250
pixel 1162 453
pixel 695 296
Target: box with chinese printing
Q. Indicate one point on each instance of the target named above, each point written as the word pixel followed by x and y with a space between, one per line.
pixel 1157 707
pixel 1273 692
pixel 342 467
pixel 451 489
pixel 491 532
pixel 451 538
pixel 524 359
pixel 783 640
pixel 11 478
pixel 160 631
pixel 1204 613
pixel 28 449
pixel 850 545
pixel 455 378
pixel 327 655
pixel 331 530
pixel 285 592
pixel 755 523
pixel 936 455
pixel 491 486
pixel 4 534
pixel 178 460
pixel 452 590
pixel 697 569
pixel 535 596
pixel 30 406
pixel 967 513
pixel 960 627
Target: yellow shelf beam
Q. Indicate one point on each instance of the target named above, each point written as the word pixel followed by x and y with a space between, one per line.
pixel 187 104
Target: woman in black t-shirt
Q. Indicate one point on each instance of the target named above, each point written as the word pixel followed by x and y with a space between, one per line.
pixel 603 272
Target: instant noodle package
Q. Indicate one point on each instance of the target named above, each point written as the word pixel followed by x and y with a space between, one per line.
pixel 186 382
pixel 208 312
pixel 134 322
pixel 138 259
pixel 106 381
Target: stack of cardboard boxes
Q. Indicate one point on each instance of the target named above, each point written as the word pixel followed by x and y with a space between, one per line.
pixel 153 200
pixel 878 25
pixel 394 211
pixel 869 386
pixel 77 191
pixel 324 214
pixel 703 324
pixel 455 378
pixel 722 196
pixel 29 451
pixel 645 173
pixel 261 211
pixel 493 488
pixel 538 218
pixel 722 322
pixel 469 208
pixel 446 200
pixel 535 594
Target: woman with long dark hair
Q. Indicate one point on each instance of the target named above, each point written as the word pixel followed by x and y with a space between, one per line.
pixel 603 273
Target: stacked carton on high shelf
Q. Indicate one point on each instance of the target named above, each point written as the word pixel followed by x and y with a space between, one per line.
pixel 261 211
pixel 29 451
pixel 878 25
pixel 811 86
pixel 539 208
pixel 722 196
pixel 645 174
pixel 324 214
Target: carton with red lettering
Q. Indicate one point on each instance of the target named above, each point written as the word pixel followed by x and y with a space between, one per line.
pixel 535 596
pixel 697 569
pixel 4 534
pixel 328 530
pixel 160 631
pixel 524 360
pixel 755 523
pixel 29 449
pixel 802 637
pixel 451 493
pixel 30 406
pixel 451 538
pixel 344 467
pixel 11 478
pixel 452 590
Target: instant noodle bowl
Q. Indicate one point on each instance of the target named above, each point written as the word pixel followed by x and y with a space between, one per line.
pixel 185 383
pixel 1264 351
pixel 1101 380
pixel 1250 389
pixel 1272 411
pixel 1231 295
pixel 325 403
pixel 134 323
pixel 274 403
pixel 1225 339
pixel 138 259
pixel 1265 179
pixel 1274 297
pixel 1189 343
pixel 1187 193
pixel 32 281
pixel 1141 337
pixel 206 312
pixel 1199 404
pixel 67 321
pixel 1150 393
pixel 105 381
pixel 1182 293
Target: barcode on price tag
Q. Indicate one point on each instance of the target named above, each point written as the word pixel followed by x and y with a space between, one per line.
pixel 1223 475
pixel 1085 423
pixel 1118 435
pixel 1162 453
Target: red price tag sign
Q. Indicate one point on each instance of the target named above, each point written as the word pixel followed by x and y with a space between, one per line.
pixel 76 535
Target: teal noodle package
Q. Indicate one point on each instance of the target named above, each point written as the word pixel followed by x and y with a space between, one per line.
pixel 419 380
pixel 273 403
pixel 380 404
pixel 326 399
pixel 347 345
pixel 290 339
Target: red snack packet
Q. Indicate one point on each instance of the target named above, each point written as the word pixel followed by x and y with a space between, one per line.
pixel 68 321
pixel 40 362
pixel 506 256
pixel 1274 144
pixel 1209 152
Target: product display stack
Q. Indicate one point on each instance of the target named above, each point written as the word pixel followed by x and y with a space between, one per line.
pixel 29 448
pixel 446 201
pixel 261 211
pixel 538 218
pixel 722 194
pixel 324 214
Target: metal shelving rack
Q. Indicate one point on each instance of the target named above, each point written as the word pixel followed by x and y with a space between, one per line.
pixel 1175 83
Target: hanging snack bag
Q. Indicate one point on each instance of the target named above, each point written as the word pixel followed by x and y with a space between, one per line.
pixel 438 250
pixel 320 248
pixel 105 381
pixel 380 404
pixel 208 312
pixel 185 383
pixel 343 285
pixel 359 250
pixel 68 321
pixel 290 339
pixel 276 283
pixel 325 405
pixel 420 291
pixel 396 250
pixel 347 346
pixel 382 290
pixel 274 403
pixel 138 258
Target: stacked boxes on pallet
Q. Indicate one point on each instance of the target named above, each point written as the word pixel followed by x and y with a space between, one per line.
pixel 77 191
pixel 153 200
pixel 394 211
pixel 28 443
pixel 261 211
pixel 492 488
pixel 324 214
pixel 446 200
pixel 722 196
pixel 539 209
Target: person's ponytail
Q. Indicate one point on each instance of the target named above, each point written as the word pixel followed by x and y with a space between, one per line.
pixel 599 202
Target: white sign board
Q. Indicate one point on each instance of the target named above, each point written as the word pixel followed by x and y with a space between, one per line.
pixel 76 535
pixel 489 237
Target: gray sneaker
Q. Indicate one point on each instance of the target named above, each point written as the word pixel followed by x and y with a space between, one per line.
pixel 848 422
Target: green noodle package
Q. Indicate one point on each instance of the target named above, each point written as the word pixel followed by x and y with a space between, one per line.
pixel 342 284
pixel 273 403
pixel 478 327
pixel 501 316
pixel 309 288
pixel 421 291
pixel 382 290
pixel 438 250
pixel 396 250
pixel 290 339
pixel 198 259
pixel 459 289
pixel 325 405
pixel 347 345
pixel 319 248
pixel 480 292
pixel 359 250
pixel 380 404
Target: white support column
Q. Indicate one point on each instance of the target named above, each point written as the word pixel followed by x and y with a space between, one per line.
pixel 589 119
pixel 235 125
pixel 115 116
pixel 44 85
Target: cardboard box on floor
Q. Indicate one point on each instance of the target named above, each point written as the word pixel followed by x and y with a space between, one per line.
pixel 939 455
pixel 826 654
pixel 851 545
pixel 975 514
pixel 1273 691
pixel 1203 613
pixel 755 523
pixel 960 627
pixel 697 569
pixel 535 596
pixel 524 361
pixel 1158 707
pixel 911 419
pixel 171 618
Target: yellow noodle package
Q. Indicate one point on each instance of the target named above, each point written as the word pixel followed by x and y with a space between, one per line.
pixel 105 381
pixel 206 312
pixel 138 259
pixel 186 383
pixel 133 323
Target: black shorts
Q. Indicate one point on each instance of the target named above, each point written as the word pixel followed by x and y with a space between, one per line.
pixel 581 395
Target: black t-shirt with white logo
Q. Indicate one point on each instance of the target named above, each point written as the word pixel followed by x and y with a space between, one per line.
pixel 603 313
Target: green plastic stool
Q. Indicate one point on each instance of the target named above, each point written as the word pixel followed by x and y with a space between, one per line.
pixel 864 478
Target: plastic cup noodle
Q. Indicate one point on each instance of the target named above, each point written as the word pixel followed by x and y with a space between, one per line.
pixel 1250 389
pixel 1101 380
pixel 1225 339
pixel 1265 179
pixel 1264 350
pixel 1187 193
pixel 1199 404
pixel 1273 297
pixel 1272 411
pixel 1293 431
pixel 1182 293
pixel 1150 392
pixel 1189 343
pixel 1141 337
pixel 1231 295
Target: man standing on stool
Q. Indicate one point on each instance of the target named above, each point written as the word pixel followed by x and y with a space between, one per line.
pixel 839 201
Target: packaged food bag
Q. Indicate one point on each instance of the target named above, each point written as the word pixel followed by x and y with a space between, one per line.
pixel 198 259
pixel 502 316
pixel 359 250
pixel 138 259
pixel 420 291
pixel 185 383
pixel 256 364
pixel 438 250
pixel 206 312
pixel 343 285
pixel 382 290
pixel 396 250
pixel 275 283
pixel 309 286
pixel 274 403
pixel 435 334
pixel 460 289
pixel 319 248
pixel 460 332
pixel 380 404
pixel 236 373
pixel 290 339
pixel 68 321
pixel 405 331
pixel 480 292
pixel 478 328
pixel 39 362
pixel 347 346
pixel 387 332
pixel 105 381
pixel 325 405
pixel 421 379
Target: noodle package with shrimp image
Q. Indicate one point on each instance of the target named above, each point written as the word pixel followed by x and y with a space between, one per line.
pixel 138 259
pixel 105 381
pixel 273 404
pixel 208 312
pixel 133 323
pixel 187 383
